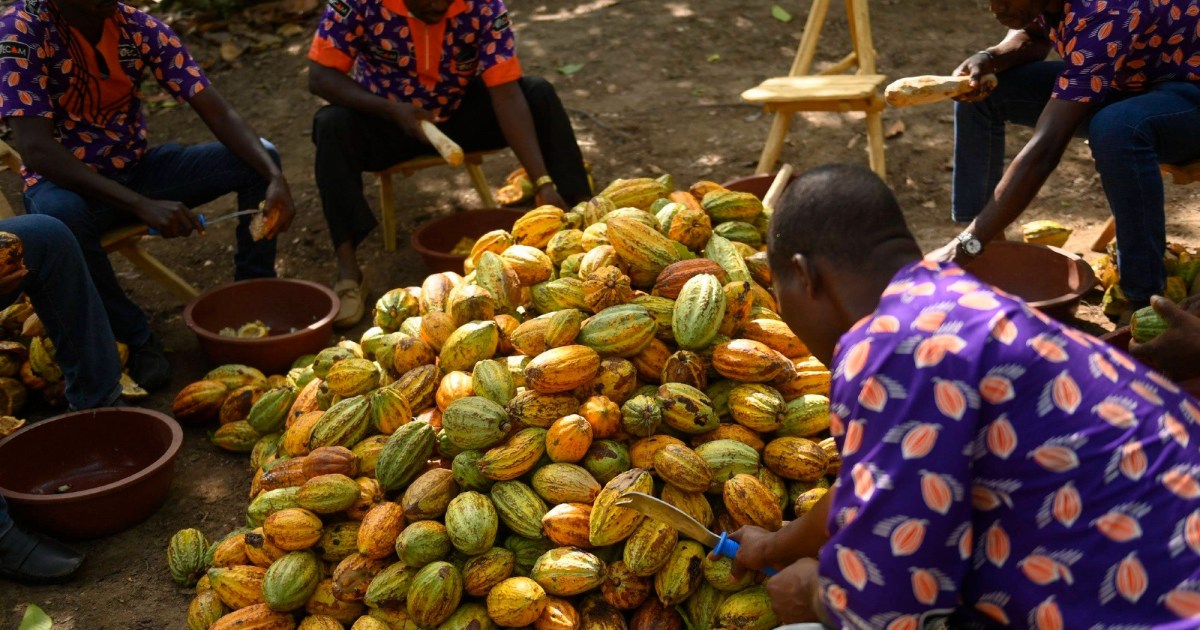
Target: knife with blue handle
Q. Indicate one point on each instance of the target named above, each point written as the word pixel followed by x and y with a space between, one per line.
pixel 662 511
pixel 205 223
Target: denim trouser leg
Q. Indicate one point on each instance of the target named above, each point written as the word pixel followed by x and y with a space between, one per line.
pixel 195 175
pixel 1020 97
pixel 5 519
pixel 63 295
pixel 1129 139
pixel 88 222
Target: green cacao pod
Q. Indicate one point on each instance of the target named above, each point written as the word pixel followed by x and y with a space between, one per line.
pixel 422 542
pixel 474 422
pixel 567 572
pixel 389 588
pixel 519 507
pixel 687 409
pixel 472 523
pixel 618 331
pixel 404 455
pixel 434 594
pixel 327 494
pixel 291 580
pixel 270 410
pixel 491 380
pixel 344 424
pixel 185 556
pixel 698 312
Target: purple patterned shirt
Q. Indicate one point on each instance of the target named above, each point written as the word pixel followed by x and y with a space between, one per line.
pixel 1004 468
pixel 1125 45
pixel 395 55
pixel 102 124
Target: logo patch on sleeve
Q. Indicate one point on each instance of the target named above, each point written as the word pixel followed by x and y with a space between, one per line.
pixel 127 52
pixel 340 7
pixel 501 23
pixel 14 50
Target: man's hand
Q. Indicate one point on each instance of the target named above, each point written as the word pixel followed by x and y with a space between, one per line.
pixel 170 218
pixel 795 593
pixel 279 201
pixel 409 118
pixel 548 196
pixel 11 281
pixel 1176 352
pixel 949 252
pixel 756 550
pixel 978 66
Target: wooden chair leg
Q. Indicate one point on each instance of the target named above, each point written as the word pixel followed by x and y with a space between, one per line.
pixel 481 186
pixel 387 211
pixel 774 146
pixel 1106 236
pixel 158 272
pixel 875 143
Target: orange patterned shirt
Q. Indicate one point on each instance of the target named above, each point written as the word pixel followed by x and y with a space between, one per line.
pixel 1124 45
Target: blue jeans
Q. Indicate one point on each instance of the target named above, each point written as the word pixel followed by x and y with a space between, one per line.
pixel 194 176
pixel 5 520
pixel 70 308
pixel 1129 134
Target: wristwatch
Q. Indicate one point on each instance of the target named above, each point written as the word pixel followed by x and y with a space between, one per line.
pixel 542 181
pixel 969 245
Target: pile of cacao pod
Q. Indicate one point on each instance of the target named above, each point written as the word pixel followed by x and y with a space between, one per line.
pixel 27 364
pixel 458 466
pixel 1183 276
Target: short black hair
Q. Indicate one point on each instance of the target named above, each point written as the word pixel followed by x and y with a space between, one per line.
pixel 839 212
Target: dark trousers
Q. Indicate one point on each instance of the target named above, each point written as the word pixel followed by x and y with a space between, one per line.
pixel 350 143
pixel 193 176
pixel 63 296
pixel 1130 135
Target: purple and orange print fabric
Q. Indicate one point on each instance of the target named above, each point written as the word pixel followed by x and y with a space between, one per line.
pixel 1001 468
pixel 1124 45
pixel 106 127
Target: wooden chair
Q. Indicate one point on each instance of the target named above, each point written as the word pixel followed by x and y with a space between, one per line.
pixel 1181 175
pixel 829 90
pixel 125 241
pixel 387 195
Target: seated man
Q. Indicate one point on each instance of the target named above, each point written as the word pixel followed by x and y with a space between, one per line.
pixel 55 278
pixel 451 62
pixel 70 91
pixel 1128 82
pixel 997 466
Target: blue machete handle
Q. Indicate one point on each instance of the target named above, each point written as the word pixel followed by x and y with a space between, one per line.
pixel 728 547
pixel 154 232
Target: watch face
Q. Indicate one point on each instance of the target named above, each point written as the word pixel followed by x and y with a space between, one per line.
pixel 973 246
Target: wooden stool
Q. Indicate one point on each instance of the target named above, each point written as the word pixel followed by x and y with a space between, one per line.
pixel 828 90
pixel 1181 175
pixel 125 241
pixel 387 197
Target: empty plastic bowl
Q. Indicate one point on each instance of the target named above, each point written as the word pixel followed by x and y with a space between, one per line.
pixel 89 474
pixel 434 239
pixel 299 313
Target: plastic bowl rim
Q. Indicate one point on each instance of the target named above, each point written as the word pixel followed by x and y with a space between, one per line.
pixel 420 247
pixel 250 341
pixel 72 497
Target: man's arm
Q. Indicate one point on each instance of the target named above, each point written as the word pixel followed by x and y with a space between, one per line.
pixel 338 88
pixel 512 111
pixel 234 133
pixel 34 137
pixel 801 538
pixel 1030 169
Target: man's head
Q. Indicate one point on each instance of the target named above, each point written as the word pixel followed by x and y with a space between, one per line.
pixel 1021 13
pixel 429 11
pixel 89 9
pixel 837 238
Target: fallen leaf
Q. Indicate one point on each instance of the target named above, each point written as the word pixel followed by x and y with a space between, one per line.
pixel 780 13
pixel 714 58
pixel 895 129
pixel 231 51
pixel 35 619
pixel 570 68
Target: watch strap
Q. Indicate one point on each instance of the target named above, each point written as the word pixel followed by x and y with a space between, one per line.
pixel 542 181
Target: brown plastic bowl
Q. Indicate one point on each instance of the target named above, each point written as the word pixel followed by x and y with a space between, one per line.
pixel 757 185
pixel 118 462
pixel 1048 278
pixel 435 238
pixel 299 313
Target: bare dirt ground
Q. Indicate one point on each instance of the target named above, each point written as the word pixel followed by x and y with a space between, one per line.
pixel 652 97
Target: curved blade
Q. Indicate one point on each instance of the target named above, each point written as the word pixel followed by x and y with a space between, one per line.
pixel 664 512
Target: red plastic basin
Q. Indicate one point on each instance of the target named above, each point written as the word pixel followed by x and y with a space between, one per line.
pixel 299 313
pixel 1048 278
pixel 91 473
pixel 434 239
